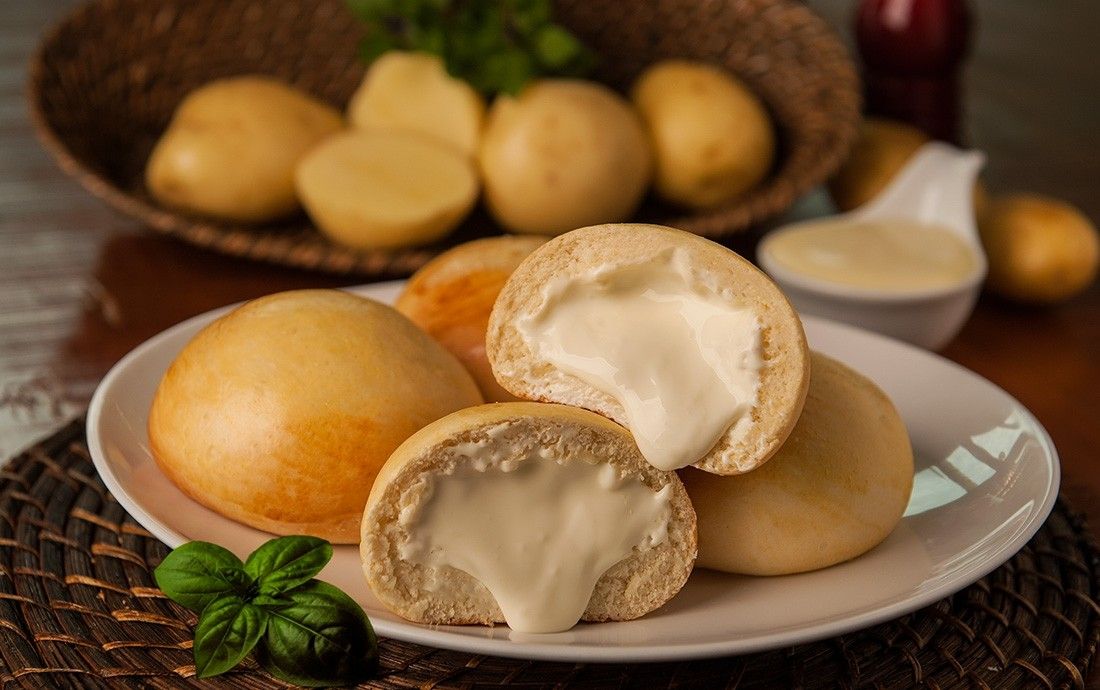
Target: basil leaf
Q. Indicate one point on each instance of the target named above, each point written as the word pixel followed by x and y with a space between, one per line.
pixel 199 572
pixel 556 47
pixel 228 629
pixel 284 563
pixel 322 638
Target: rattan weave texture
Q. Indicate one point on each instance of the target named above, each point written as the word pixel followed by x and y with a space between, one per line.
pixel 79 609
pixel 105 81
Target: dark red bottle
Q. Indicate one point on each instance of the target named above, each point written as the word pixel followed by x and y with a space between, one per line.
pixel 912 54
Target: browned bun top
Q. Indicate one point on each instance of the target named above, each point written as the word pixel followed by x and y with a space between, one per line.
pixel 280 413
pixel 452 295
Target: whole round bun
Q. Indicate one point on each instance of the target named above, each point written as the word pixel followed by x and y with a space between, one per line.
pixel 785 370
pixel 452 295
pixel 631 588
pixel 280 413
pixel 836 488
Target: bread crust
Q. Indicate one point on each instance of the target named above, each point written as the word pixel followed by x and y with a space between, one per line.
pixel 785 373
pixel 633 587
pixel 451 297
pixel 836 488
pixel 279 414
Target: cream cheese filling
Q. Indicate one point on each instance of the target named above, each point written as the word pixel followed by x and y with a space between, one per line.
pixel 683 363
pixel 538 533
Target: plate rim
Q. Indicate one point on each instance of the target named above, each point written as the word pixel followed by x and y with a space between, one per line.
pixel 440 637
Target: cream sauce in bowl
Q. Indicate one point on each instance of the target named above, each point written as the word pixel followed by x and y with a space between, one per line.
pixel 877 255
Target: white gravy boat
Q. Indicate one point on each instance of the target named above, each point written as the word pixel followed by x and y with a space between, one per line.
pixel 935 188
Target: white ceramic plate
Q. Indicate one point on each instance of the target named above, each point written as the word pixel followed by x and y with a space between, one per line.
pixel 987 476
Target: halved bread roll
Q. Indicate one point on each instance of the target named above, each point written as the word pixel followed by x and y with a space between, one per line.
pixel 836 488
pixel 532 514
pixel 687 344
pixel 451 297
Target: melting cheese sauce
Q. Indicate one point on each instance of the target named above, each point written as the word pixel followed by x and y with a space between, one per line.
pixel 683 363
pixel 537 533
pixel 890 255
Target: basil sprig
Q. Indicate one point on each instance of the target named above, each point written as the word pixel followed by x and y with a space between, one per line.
pixel 495 45
pixel 304 631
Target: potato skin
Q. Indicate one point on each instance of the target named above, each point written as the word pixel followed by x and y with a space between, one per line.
pixel 712 137
pixel 563 154
pixel 1040 250
pixel 412 92
pixel 231 147
pixel 882 150
pixel 382 190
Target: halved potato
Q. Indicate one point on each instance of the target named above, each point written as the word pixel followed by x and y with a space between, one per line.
pixel 412 92
pixel 376 190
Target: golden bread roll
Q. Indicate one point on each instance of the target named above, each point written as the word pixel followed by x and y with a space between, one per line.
pixel 835 489
pixel 679 339
pixel 280 413
pixel 452 295
pixel 532 514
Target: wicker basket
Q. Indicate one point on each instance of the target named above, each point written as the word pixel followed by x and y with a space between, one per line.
pixel 106 80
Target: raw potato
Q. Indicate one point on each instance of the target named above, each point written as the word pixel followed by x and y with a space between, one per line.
pixel 231 148
pixel 381 190
pixel 563 154
pixel 1040 250
pixel 412 92
pixel 882 150
pixel 711 135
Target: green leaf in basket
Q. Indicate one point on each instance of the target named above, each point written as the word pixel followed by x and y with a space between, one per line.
pixel 506 71
pixel 287 562
pixel 198 572
pixel 318 637
pixel 556 47
pixel 228 629
pixel 495 45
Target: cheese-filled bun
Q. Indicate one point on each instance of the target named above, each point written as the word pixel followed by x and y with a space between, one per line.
pixel 679 339
pixel 532 514
pixel 836 488
pixel 452 295
pixel 280 413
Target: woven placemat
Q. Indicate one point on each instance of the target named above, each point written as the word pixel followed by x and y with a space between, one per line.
pixel 78 608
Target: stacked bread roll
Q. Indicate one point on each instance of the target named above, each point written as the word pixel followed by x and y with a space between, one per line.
pixel 658 408
pixel 813 468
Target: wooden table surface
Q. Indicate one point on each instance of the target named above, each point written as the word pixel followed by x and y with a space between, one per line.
pixel 80 286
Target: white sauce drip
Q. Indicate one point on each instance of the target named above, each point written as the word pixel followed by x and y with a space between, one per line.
pixel 683 363
pixel 537 533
